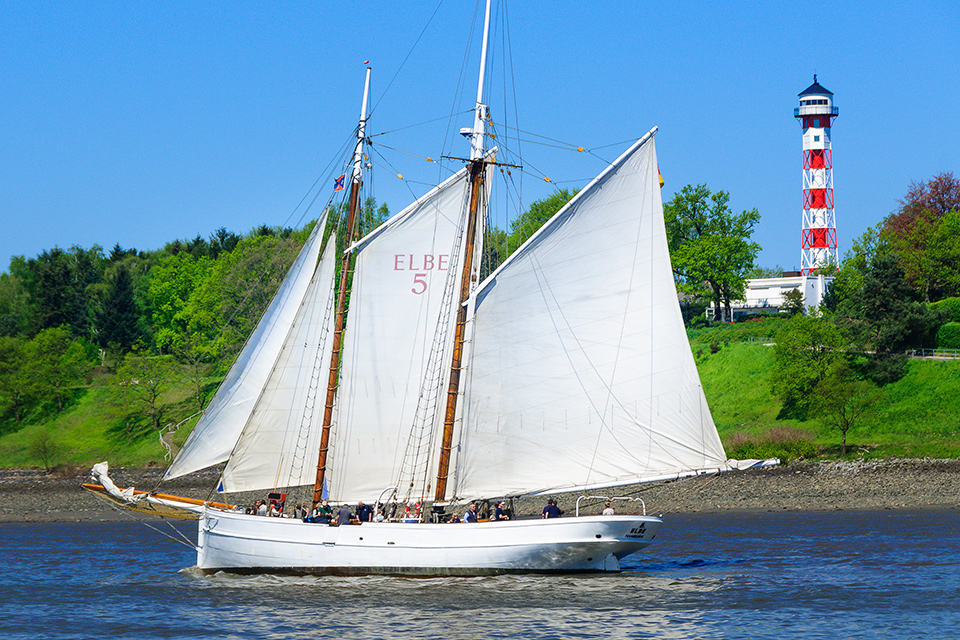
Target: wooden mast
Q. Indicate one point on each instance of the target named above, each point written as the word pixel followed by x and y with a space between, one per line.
pixel 333 379
pixel 477 176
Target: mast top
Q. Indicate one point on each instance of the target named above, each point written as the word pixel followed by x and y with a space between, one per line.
pixel 482 111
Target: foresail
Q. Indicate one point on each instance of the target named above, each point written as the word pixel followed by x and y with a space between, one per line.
pixel 217 431
pixel 278 445
pixel 581 374
pixel 396 303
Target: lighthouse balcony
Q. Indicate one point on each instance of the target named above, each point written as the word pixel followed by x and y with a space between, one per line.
pixel 816 110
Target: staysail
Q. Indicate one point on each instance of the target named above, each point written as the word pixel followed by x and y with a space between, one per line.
pixel 396 304
pixel 278 445
pixel 217 431
pixel 581 374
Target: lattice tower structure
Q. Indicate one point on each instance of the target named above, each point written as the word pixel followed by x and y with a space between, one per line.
pixel 819 234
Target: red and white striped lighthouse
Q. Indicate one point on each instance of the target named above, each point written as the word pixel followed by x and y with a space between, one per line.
pixel 819 240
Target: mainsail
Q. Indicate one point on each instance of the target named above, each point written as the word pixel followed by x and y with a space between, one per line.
pixel 581 375
pixel 219 427
pixel 397 301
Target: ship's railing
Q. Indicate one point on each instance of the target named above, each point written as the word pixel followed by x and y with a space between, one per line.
pixel 609 499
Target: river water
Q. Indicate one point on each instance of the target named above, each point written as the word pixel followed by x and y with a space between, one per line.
pixel 870 574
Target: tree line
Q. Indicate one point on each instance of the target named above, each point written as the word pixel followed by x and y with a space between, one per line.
pixel 147 317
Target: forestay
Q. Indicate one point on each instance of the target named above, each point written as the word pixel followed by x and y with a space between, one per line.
pixel 581 374
pixel 217 431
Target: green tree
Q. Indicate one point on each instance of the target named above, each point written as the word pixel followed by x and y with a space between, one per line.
pixel 841 401
pixel 793 302
pixel 535 216
pixel 54 294
pixel 148 380
pixel 171 283
pixel 119 320
pixel 54 362
pixel 923 234
pixel 14 384
pixel 710 246
pixel 44 447
pixel 808 351
pixel 883 314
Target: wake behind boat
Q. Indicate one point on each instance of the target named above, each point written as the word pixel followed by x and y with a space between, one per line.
pixel 566 370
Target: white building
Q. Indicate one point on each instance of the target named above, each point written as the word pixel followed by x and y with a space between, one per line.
pixel 765 295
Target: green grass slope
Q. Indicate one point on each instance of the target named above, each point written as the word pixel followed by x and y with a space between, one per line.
pixel 917 416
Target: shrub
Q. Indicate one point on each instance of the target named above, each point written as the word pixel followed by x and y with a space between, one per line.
pixel 786 443
pixel 951 306
pixel 948 337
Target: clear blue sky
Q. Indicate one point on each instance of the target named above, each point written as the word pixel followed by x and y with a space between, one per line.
pixel 139 123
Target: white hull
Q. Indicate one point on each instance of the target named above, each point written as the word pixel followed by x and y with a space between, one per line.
pixel 255 544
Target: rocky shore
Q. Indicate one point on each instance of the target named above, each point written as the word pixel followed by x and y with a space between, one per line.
pixel 36 496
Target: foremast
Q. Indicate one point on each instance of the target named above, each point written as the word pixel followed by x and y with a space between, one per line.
pixel 477 176
pixel 337 347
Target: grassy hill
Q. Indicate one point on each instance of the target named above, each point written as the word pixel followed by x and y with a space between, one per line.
pixel 915 417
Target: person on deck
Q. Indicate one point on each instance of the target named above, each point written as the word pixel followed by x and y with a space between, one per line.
pixel 323 510
pixel 344 515
pixel 552 510
pixel 471 514
pixel 262 508
pixel 499 514
pixel 364 512
pixel 607 510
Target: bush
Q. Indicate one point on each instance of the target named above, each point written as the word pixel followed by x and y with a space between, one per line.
pixel 948 337
pixel 786 443
pixel 884 369
pixel 951 306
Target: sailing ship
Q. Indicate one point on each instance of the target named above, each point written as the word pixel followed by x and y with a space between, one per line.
pixel 567 369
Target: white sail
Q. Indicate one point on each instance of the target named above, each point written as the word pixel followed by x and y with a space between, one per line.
pixel 217 431
pixel 278 446
pixel 395 307
pixel 581 374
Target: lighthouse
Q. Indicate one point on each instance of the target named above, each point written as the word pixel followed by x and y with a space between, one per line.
pixel 819 234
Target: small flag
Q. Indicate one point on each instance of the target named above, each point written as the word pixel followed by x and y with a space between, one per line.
pixel 338 183
pixel 661 177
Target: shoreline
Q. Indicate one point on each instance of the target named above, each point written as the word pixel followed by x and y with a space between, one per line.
pixel 33 496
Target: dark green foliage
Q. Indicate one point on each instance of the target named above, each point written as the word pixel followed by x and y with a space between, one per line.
pixel 841 401
pixel 950 306
pixel 14 391
pixel 885 368
pixel 119 320
pixel 948 337
pixel 793 302
pixel 883 314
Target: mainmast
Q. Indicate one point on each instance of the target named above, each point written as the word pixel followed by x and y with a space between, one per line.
pixel 355 183
pixel 477 175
